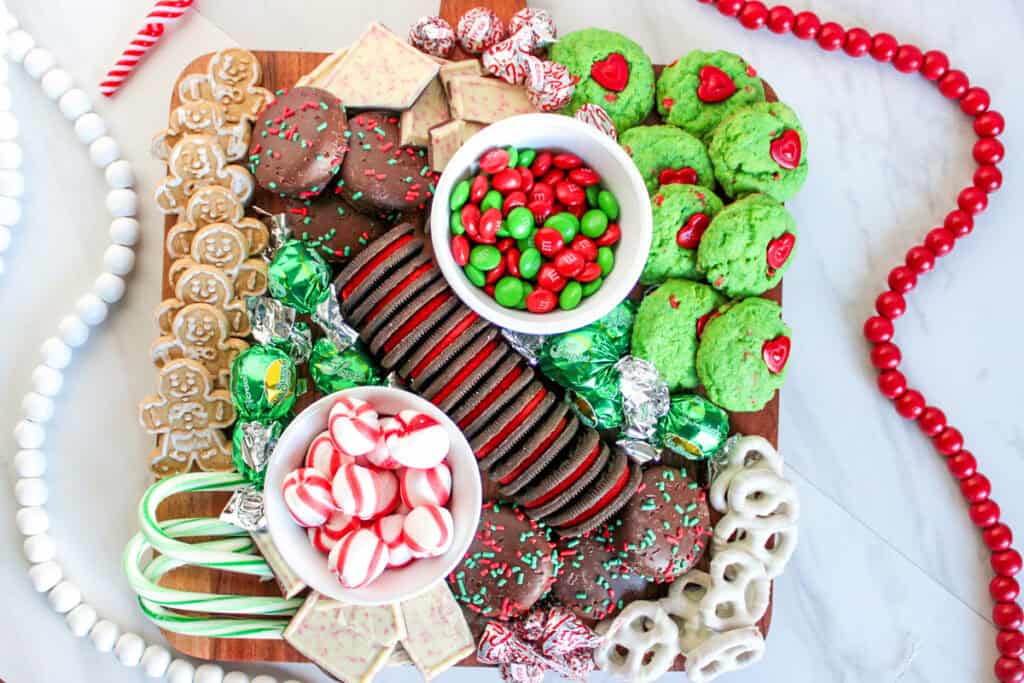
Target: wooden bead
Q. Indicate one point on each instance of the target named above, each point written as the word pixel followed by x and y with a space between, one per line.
pixel 989 124
pixel 949 441
pixel 780 19
pixel 902 279
pixel 988 178
pixel 907 59
pixel 984 514
pixel 953 84
pixel 958 222
pixel 857 42
pixel 976 488
pixel 883 47
pixel 831 36
pixel 975 101
pixel 934 65
pixel 972 200
pixel 932 421
pixel 940 241
pixel 806 25
pixel 1007 615
pixel 910 405
pixel 1010 643
pixel 1009 670
pixel 886 356
pixel 878 329
pixel 891 305
pixel 962 465
pixel 997 537
pixel 920 259
pixel 988 151
pixel 753 15
pixel 892 383
pixel 730 8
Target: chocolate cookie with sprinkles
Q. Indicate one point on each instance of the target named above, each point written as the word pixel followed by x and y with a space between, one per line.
pixel 379 174
pixel 594 582
pixel 332 226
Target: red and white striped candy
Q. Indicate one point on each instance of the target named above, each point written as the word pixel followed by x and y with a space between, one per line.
pixel 358 558
pixel 324 457
pixel 364 492
pixel 422 442
pixel 333 530
pixel 426 487
pixel 428 530
pixel 307 495
pixel 380 456
pixel 389 530
pixel 354 426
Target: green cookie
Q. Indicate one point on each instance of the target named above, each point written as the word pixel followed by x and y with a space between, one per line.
pixel 734 352
pixel 682 84
pixel 761 148
pixel 665 331
pixel 748 246
pixel 613 71
pixel 666 154
pixel 674 209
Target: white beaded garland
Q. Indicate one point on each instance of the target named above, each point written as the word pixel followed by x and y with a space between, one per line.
pixel 91 309
pixel 209 673
pixel 56 353
pixel 264 679
pixel 32 522
pixel 121 203
pixel 120 174
pixel 47 380
pixel 104 635
pixel 109 287
pixel 104 151
pixel 64 597
pixel 155 661
pixel 10 155
pixel 37 407
pixel 180 671
pixel 124 230
pixel 38 61
pixel 12 184
pixel 73 331
pixel 81 619
pixel 129 649
pixel 8 126
pixel 31 491
pixel 39 548
pixel 90 127
pixel 10 211
pixel 5 237
pixel 30 463
pixel 55 83
pixel 236 677
pixel 28 434
pixel 18 45
pixel 45 576
pixel 74 103
pixel 119 259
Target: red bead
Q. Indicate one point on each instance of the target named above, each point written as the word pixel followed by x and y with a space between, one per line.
pixel 806 25
pixel 972 200
pixel 907 59
pixel 780 19
pixel 962 465
pixel 857 42
pixel 940 241
pixel 954 84
pixel 985 514
pixel 988 151
pixel 949 441
pixel 1008 615
pixel 1003 589
pixel 910 404
pixel 976 488
pixel 959 223
pixel 902 279
pixel 831 36
pixel 891 305
pixel 989 124
pixel 878 329
pixel 730 8
pixel 1006 562
pixel 883 47
pixel 996 536
pixel 932 421
pixel 892 383
pixel 886 356
pixel 1009 670
pixel 1010 643
pixel 934 65
pixel 920 259
pixel 753 15
pixel 975 101
pixel 988 178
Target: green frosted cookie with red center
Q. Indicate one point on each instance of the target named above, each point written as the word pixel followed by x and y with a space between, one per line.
pixel 681 214
pixel 665 155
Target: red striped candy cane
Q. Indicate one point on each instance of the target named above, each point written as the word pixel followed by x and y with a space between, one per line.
pixel 165 14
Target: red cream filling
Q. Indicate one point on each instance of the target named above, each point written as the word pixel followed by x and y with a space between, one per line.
pixel 411 278
pixel 567 481
pixel 365 271
pixel 465 372
pixel 448 339
pixel 535 454
pixel 511 426
pixel 604 500
pixel 489 398
pixel 416 320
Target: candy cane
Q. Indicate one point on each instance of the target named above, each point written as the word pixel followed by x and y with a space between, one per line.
pixel 165 14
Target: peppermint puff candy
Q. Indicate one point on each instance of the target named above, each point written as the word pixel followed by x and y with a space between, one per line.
pixel 425 487
pixel 358 558
pixel 325 537
pixel 596 116
pixel 324 457
pixel 507 59
pixel 434 36
pixel 354 426
pixel 389 530
pixel 307 495
pixel 549 85
pixel 380 456
pixel 538 21
pixel 428 530
pixel 478 29
pixel 422 442
pixel 364 492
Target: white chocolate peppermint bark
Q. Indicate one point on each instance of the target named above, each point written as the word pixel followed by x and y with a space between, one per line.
pixel 437 635
pixel 287 580
pixel 430 109
pixel 486 100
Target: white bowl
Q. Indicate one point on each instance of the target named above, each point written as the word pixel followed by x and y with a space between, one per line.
pixel 618 174
pixel 394 584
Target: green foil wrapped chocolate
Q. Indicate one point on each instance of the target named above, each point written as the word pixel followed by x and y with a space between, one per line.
pixel 573 358
pixel 618 325
pixel 334 370
pixel 598 405
pixel 299 277
pixel 694 427
pixel 251 458
pixel 263 383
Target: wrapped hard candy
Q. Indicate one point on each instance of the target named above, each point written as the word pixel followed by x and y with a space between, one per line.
pixel 434 36
pixel 507 59
pixel 428 530
pixel 380 456
pixel 354 425
pixel 549 85
pixel 324 457
pixel 478 29
pixel 538 21
pixel 421 443
pixel 307 495
pixel 358 558
pixel 426 487
pixel 389 530
pixel 364 492
pixel 324 537
pixel 596 116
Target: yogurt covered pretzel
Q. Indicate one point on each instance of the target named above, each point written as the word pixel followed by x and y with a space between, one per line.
pixel 746 452
pixel 646 634
pixel 685 595
pixel 762 493
pixel 723 653
pixel 754 535
pixel 739 592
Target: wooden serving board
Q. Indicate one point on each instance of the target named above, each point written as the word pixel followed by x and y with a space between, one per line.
pixel 281 70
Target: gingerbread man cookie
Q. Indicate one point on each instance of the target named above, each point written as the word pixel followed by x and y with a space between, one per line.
pixel 196 283
pixel 215 204
pixel 200 117
pixel 224 247
pixel 231 81
pixel 200 332
pixel 187 415
pixel 196 162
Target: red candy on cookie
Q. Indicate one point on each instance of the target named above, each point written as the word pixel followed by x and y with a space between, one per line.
pixel 358 558
pixel 307 495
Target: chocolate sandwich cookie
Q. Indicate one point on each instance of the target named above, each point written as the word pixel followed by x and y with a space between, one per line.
pixel 398 338
pixel 379 174
pixel 536 452
pixel 508 567
pixel 601 501
pixel 330 225
pixel 585 460
pixel 461 328
pixel 421 279
pixel 496 392
pixel 476 361
pixel 361 273
pixel 662 531
pixel 558 450
pixel 511 425
pixel 299 143
pixel 397 285
pixel 593 581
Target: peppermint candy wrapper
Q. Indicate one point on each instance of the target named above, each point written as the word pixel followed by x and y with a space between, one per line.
pixel 526 345
pixel 333 370
pixel 278 228
pixel 549 85
pixel 274 323
pixel 595 115
pixel 434 36
pixel 507 59
pixel 479 29
pixel 328 316
pixel 645 397
pixel 538 21
pixel 245 509
pixel 251 446
pixel 543 640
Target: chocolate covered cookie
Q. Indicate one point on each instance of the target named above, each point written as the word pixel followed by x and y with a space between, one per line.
pixel 594 583
pixel 332 226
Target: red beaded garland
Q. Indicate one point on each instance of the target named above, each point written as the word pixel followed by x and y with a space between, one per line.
pixel 907 59
pixel 878 329
pixel 932 421
pixel 1008 615
pixel 934 65
pixel 988 178
pixel 972 200
pixel 1006 562
pixel 975 101
pixel 886 356
pixel 883 47
pixel 857 43
pixel 730 8
pixel 910 405
pixel 984 514
pixel 949 442
pixel 962 465
pixel 988 151
pixel 940 241
pixel 976 488
pixel 954 84
pixel 753 15
pixel 959 222
pixel 780 19
pixel 997 536
pixel 920 259
pixel 806 25
pixel 892 383
pixel 891 305
pixel 1009 670
pixel 989 124
pixel 902 279
pixel 1010 643
pixel 831 36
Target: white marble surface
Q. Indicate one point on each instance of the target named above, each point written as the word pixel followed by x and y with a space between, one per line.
pixel 889 582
